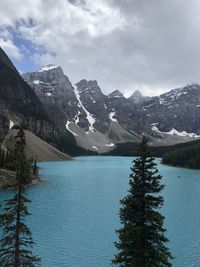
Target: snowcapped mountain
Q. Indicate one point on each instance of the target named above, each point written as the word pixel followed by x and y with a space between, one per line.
pixel 98 122
pixel 175 112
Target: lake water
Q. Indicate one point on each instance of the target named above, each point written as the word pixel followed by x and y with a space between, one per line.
pixel 75 211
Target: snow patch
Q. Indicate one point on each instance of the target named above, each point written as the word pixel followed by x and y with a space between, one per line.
pixel 90 118
pixel 37 82
pixel 111 144
pixel 48 94
pixel 11 124
pixel 48 67
pixel 95 147
pixel 67 127
pixel 174 132
pixel 161 101
pixel 112 115
pixel 76 118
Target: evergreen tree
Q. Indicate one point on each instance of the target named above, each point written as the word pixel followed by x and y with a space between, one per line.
pixel 141 238
pixel 16 241
pixel 35 168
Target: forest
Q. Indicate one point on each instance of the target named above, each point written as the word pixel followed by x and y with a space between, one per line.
pixel 188 157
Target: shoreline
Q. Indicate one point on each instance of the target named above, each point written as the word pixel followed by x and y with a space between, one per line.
pixel 8 180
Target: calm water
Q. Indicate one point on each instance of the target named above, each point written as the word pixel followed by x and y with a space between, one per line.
pixel 75 211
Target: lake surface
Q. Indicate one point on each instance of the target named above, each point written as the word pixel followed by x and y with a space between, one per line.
pixel 75 211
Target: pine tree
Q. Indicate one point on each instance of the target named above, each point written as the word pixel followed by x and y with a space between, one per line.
pixel 141 238
pixel 16 241
pixel 35 168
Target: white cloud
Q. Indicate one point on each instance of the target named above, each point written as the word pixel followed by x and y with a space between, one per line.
pixel 124 44
pixel 11 49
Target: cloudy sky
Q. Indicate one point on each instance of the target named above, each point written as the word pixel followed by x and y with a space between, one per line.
pixel 148 45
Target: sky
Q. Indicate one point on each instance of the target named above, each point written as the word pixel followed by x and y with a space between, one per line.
pixel 151 46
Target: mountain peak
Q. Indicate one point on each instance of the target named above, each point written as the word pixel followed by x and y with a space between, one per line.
pixel 116 93
pixel 137 97
pixel 137 93
pixel 48 67
pixel 192 86
pixel 88 86
pixel 86 82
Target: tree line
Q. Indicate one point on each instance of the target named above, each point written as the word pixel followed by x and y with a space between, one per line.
pixel 188 157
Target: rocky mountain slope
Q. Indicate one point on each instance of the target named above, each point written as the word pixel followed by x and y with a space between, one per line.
pixel 18 102
pixel 138 98
pixel 98 121
pixel 36 148
pixel 176 112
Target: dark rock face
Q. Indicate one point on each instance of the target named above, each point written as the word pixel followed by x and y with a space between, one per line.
pixel 95 102
pixel 18 102
pixel 116 93
pixel 83 112
pixel 178 109
pixel 56 92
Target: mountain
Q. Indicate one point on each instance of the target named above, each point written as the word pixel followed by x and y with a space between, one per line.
pixel 137 97
pixel 36 148
pixel 176 112
pixel 18 102
pixel 97 122
pixel 116 93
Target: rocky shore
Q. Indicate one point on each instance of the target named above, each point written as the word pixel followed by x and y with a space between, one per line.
pixel 8 180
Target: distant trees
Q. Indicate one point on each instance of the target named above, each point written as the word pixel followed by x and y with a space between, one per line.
pixel 188 157
pixel 6 157
pixel 141 238
pixel 16 240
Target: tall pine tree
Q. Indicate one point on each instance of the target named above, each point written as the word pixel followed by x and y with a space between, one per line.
pixel 16 241
pixel 142 236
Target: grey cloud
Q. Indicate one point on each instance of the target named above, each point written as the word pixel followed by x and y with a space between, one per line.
pixel 124 44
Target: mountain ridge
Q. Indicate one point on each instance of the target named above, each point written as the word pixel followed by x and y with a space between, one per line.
pixel 94 119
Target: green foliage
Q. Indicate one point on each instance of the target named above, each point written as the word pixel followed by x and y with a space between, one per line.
pixel 141 239
pixel 188 157
pixel 16 241
pixel 131 149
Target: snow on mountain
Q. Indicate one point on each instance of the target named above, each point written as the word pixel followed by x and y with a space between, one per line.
pixel 112 115
pixel 48 67
pixel 176 109
pixel 11 124
pixel 90 118
pixel 116 93
pixel 174 132
pixel 111 144
pixel 98 121
pixel 67 125
pixel 37 82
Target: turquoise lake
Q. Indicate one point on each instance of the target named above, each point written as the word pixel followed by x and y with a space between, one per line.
pixel 75 211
